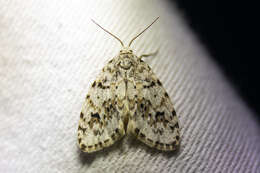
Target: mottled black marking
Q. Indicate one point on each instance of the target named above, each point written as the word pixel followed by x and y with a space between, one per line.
pixel 177 137
pixel 83 146
pixel 99 84
pixel 142 105
pixel 110 61
pixel 156 131
pixel 79 140
pixel 116 87
pixel 81 115
pixel 82 129
pixel 88 96
pixel 166 94
pixel 106 141
pixel 171 127
pixel 159 83
pixel 142 135
pixel 154 95
pixel 152 84
pixel 113 136
pixel 141 60
pixel 95 115
pixel 90 146
pixel 159 115
pixel 159 143
pixel 150 140
pixel 135 96
pixel 173 113
pixel 137 131
pixel 134 87
pixel 176 125
pixel 117 130
pixel 94 84
pixel 96 145
pixel 100 144
pixel 97 97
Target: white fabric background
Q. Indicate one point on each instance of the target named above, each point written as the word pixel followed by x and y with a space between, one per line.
pixel 50 52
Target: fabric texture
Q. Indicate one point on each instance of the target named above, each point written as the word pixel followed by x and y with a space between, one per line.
pixel 50 52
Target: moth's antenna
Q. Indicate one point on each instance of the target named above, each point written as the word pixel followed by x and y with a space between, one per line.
pixel 142 32
pixel 109 32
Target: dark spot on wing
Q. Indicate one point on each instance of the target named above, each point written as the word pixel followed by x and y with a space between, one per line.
pixel 79 140
pixel 159 115
pixel 95 115
pixel 177 137
pixel 83 146
pixel 113 136
pixel 159 83
pixel 150 140
pixel 81 115
pixel 117 130
pixel 99 85
pixel 137 131
pixel 82 129
pixel 142 135
pixel 94 84
pixel 173 113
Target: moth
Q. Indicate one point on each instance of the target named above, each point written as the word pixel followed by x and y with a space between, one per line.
pixel 127 98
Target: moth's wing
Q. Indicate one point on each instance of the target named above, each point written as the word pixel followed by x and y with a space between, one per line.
pixel 100 124
pixel 154 120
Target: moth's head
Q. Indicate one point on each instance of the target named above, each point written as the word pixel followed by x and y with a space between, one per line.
pixel 126 58
pixel 125 52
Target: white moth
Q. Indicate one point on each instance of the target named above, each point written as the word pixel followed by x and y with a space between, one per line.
pixel 127 97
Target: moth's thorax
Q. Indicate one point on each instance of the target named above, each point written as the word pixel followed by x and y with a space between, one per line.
pixel 126 59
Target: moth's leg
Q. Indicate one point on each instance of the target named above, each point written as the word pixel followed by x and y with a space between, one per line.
pixel 150 54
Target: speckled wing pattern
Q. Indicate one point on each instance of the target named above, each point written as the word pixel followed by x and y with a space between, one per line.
pixel 127 97
pixel 154 120
pixel 100 123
